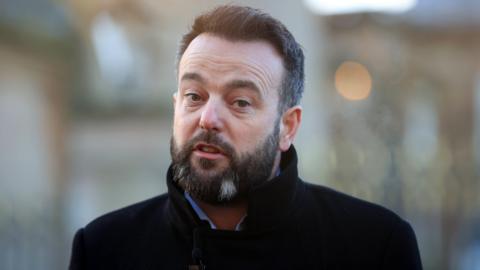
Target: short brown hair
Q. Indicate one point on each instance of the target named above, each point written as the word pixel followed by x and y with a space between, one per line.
pixel 247 24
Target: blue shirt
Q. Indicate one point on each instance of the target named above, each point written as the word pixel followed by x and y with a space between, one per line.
pixel 202 216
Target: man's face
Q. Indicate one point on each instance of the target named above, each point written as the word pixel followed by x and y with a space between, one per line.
pixel 226 122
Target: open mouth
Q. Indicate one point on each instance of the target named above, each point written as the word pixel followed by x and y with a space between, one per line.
pixel 208 148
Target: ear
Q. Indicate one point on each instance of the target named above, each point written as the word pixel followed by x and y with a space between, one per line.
pixel 289 125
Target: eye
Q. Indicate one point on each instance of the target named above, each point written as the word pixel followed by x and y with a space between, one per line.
pixel 193 97
pixel 242 103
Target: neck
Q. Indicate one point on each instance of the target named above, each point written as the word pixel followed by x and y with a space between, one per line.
pixel 225 217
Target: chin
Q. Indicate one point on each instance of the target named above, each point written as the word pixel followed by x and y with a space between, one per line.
pixel 207 165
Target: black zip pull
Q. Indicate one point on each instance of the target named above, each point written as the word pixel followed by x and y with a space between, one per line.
pixel 197 258
pixel 197 252
pixel 196 267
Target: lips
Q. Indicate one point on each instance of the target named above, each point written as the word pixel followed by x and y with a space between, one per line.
pixel 208 148
pixel 208 151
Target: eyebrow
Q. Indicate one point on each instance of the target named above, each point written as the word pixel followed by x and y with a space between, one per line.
pixel 234 84
pixel 191 76
pixel 246 84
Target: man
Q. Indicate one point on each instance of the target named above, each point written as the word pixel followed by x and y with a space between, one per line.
pixel 234 197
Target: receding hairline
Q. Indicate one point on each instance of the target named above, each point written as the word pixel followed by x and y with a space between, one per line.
pixel 234 39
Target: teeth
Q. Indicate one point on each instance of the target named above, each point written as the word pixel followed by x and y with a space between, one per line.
pixel 208 149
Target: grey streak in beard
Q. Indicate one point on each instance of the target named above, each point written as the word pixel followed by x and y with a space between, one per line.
pixel 228 190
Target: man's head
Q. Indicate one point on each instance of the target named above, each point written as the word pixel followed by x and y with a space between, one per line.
pixel 240 78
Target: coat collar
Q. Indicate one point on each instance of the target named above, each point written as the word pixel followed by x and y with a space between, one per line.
pixel 268 203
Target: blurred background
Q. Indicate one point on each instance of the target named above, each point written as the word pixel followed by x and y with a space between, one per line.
pixel 391 113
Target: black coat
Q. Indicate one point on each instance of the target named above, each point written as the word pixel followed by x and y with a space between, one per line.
pixel 290 225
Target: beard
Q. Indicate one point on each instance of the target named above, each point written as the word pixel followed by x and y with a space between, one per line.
pixel 215 183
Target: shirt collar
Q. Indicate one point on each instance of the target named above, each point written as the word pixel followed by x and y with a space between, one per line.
pixel 203 216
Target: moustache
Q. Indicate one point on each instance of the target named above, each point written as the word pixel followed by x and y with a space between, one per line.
pixel 212 139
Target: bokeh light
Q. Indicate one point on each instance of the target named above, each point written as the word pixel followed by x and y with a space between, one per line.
pixel 353 81
pixel 331 7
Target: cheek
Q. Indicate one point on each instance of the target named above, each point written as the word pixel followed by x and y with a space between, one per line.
pixel 248 137
pixel 179 130
pixel 184 127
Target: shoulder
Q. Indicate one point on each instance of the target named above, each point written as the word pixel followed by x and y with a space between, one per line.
pixel 348 208
pixel 108 241
pixel 354 219
pixel 369 232
pixel 136 215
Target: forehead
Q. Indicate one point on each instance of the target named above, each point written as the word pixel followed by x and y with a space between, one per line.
pixel 257 59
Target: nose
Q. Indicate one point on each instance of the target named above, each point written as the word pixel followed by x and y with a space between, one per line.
pixel 210 118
